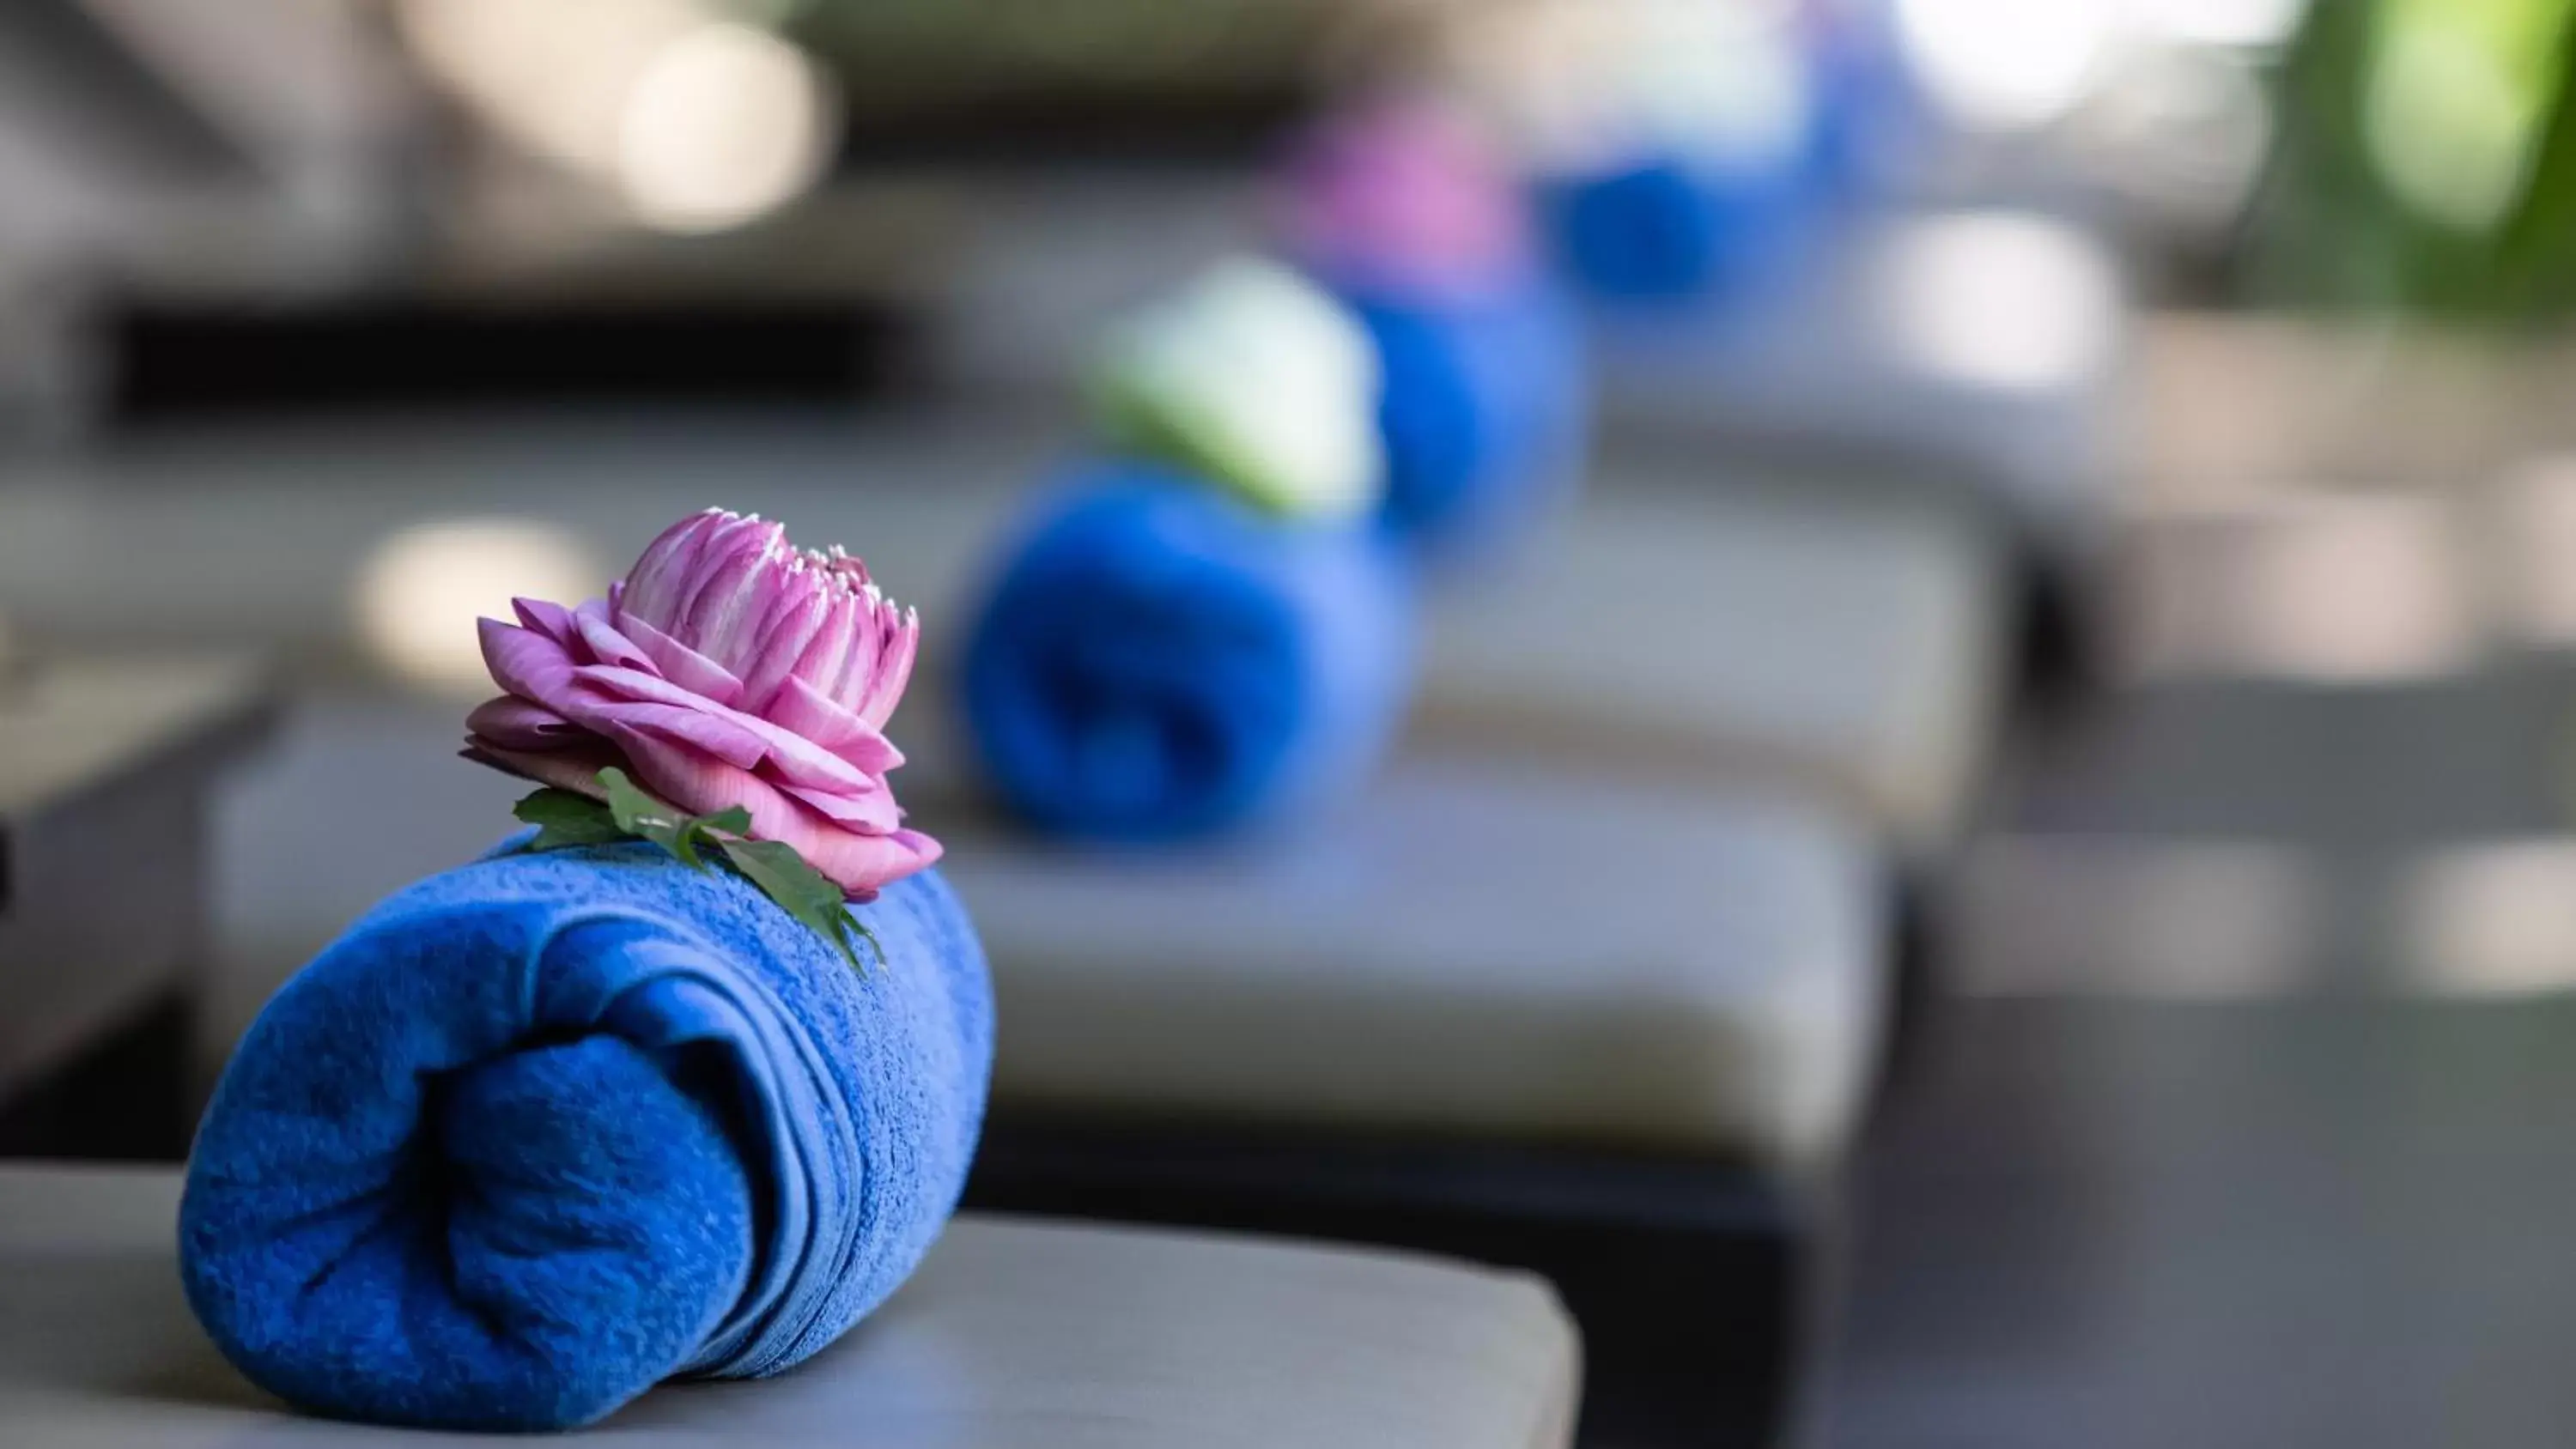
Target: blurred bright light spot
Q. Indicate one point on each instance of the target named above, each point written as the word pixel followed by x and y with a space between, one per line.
pixel 2451 110
pixel 724 124
pixel 2247 23
pixel 2095 914
pixel 2536 536
pixel 2002 300
pixel 697 121
pixel 551 77
pixel 1723 82
pixel 419 593
pixel 2008 64
pixel 2184 129
pixel 2493 919
pixel 2355 589
pixel 2360 590
pixel 1582 84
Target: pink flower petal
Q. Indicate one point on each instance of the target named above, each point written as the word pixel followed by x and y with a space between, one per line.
pixel 779 581
pixel 858 863
pixel 822 662
pixel 893 673
pixel 808 715
pixel 796 760
pixel 521 725
pixel 606 644
pixel 550 619
pixel 656 586
pixel 688 777
pixel 871 814
pixel 725 592
pixel 893 856
pixel 861 864
pixel 684 666
pixel 800 615
pixel 574 770
pixel 526 663
pixel 853 569
pixel 721 738
pixel 867 647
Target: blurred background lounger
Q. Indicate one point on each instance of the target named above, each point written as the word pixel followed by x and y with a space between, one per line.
pixel 1964 360
pixel 1014 1335
pixel 1619 1033
pixel 1818 626
pixel 1972 353
pixel 1852 641
pixel 108 765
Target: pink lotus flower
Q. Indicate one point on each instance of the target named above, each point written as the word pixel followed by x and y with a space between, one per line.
pixel 728 668
pixel 1406 193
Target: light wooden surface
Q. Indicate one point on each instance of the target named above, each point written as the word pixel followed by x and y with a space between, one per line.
pixel 1014 1335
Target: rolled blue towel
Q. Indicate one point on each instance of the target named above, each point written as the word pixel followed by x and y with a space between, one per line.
pixel 1482 406
pixel 1663 230
pixel 1158 659
pixel 1870 113
pixel 545 1130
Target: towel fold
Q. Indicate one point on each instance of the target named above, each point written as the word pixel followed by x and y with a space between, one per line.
pixel 1160 660
pixel 545 1130
pixel 1482 405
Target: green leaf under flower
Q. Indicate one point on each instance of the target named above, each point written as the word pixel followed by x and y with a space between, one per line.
pixel 566 819
pixel 803 892
pixel 648 817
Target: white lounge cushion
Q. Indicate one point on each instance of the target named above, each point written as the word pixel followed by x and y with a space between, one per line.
pixel 1015 1334
pixel 1465 950
pixel 1976 352
pixel 1470 946
pixel 1853 644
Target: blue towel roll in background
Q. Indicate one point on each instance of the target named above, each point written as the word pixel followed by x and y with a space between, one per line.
pixel 1870 117
pixel 1158 659
pixel 1663 230
pixel 1482 406
pixel 542 1131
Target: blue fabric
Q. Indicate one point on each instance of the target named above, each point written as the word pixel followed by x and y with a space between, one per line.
pixel 1868 111
pixel 1483 407
pixel 1660 230
pixel 542 1131
pixel 1158 660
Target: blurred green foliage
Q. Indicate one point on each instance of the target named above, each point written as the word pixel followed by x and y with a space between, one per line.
pixel 2426 162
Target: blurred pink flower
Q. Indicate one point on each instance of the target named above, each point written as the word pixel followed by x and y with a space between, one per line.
pixel 1404 192
pixel 728 668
